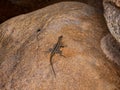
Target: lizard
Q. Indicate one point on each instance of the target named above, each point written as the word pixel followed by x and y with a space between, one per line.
pixel 55 50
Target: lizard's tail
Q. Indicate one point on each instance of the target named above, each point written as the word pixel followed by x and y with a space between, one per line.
pixel 52 66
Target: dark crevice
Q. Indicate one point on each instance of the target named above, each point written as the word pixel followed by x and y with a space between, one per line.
pixel 38 30
pixel 9 9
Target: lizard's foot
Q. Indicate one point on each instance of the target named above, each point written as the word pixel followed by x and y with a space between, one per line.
pixel 60 52
pixel 111 48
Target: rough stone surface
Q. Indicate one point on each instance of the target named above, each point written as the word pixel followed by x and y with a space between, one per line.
pixel 112 15
pixel 111 48
pixel 25 39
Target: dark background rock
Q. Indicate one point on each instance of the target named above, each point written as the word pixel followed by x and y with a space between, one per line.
pixel 11 8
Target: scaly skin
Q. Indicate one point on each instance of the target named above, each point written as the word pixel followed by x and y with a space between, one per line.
pixel 56 49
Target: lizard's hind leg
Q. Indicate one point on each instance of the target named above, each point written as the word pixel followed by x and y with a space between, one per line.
pixel 60 52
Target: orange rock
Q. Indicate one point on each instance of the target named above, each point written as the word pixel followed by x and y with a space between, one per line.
pixel 24 40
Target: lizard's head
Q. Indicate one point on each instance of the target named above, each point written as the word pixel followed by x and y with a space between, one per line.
pixel 61 36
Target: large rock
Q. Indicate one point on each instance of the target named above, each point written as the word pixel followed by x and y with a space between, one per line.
pixel 112 16
pixel 111 43
pixel 25 40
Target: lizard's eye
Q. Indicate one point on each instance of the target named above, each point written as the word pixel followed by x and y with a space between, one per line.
pixel 61 36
